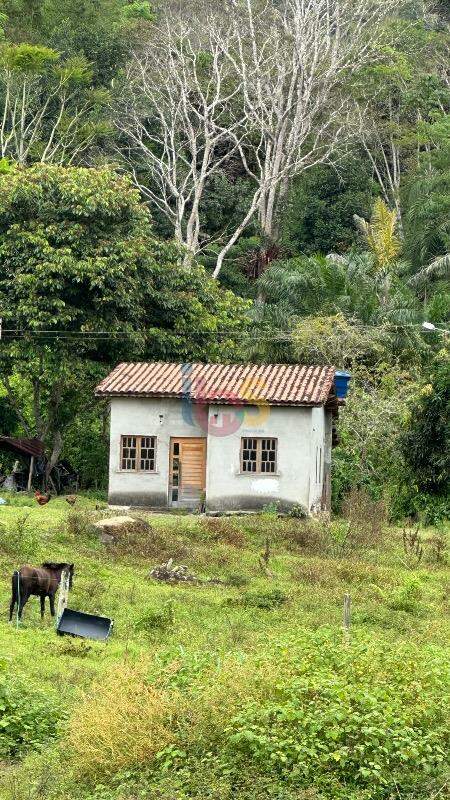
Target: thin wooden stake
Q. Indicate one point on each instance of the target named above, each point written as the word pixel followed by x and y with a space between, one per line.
pixel 347 612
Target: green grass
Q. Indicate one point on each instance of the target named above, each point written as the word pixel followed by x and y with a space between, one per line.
pixel 204 627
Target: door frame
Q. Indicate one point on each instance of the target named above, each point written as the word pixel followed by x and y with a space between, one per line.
pixel 174 439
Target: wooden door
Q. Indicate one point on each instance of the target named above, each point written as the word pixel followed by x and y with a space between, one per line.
pixel 187 472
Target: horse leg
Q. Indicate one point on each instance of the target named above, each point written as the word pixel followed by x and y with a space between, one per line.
pixel 51 597
pixel 23 601
pixel 11 607
pixel 42 599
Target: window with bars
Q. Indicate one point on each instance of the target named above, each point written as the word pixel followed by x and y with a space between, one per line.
pixel 259 455
pixel 138 453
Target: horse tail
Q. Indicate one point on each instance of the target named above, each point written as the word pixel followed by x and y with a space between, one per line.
pixel 16 589
pixel 15 581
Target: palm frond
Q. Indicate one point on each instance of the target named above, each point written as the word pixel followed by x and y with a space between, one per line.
pixel 439 268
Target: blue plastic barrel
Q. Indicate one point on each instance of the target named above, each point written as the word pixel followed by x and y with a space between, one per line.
pixel 341 381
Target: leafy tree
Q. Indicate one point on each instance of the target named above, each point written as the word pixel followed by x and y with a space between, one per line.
pixel 333 340
pixel 47 110
pixel 84 284
pixel 318 214
pixel 426 444
pixel 102 31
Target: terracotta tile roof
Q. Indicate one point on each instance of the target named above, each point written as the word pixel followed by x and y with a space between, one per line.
pixel 242 384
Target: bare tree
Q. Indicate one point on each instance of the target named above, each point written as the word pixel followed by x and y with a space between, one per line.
pixel 177 113
pixel 296 62
pixel 268 82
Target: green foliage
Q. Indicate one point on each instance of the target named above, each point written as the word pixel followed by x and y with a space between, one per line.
pixel 28 719
pixel 81 264
pixel 161 620
pixel 369 453
pixel 407 597
pixel 318 217
pixel 264 600
pixel 19 539
pixel 298 512
pixel 426 443
pixel 28 58
pixel 372 735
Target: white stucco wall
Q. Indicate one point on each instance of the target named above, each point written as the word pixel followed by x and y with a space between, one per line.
pixel 317 457
pixel 141 417
pixel 299 432
pixel 228 488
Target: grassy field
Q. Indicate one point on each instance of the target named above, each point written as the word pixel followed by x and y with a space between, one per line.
pixel 247 688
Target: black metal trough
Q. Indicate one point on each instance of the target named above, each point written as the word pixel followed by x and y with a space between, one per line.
pixel 88 626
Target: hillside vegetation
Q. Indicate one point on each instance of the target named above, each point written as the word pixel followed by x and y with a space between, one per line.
pixel 247 687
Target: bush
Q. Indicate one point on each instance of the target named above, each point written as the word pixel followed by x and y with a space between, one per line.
pixel 80 523
pixel 369 717
pixel 28 719
pixel 223 529
pixel 141 540
pixel 311 535
pixel 298 512
pixel 122 722
pixel 266 600
pixel 407 597
pixel 20 538
pixel 161 620
pixel 367 518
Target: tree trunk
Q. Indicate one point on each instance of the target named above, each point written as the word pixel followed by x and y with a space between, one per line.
pixel 53 460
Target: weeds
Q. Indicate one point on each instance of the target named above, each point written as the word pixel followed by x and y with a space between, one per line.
pixel 161 620
pixel 80 524
pixel 122 722
pixel 264 600
pixel 223 529
pixel 407 597
pixel 412 545
pixel 438 547
pixel 20 538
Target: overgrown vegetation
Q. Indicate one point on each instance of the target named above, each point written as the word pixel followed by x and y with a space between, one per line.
pixel 246 685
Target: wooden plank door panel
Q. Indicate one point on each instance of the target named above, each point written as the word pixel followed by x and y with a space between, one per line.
pixel 187 470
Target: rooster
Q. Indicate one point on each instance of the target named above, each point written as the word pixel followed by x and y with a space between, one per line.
pixel 42 499
pixel 71 499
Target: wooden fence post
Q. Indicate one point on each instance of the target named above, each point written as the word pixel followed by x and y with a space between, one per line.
pixel 63 594
pixel 347 611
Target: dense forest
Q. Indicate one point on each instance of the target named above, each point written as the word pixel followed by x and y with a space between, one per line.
pixel 228 182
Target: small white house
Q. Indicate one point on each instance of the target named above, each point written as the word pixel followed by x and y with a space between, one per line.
pixel 227 436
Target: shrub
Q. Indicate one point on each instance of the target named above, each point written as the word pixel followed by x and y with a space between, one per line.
pixel 407 597
pixel 122 722
pixel 20 538
pixel 361 718
pixel 161 620
pixel 298 512
pixel 366 517
pixel 80 523
pixel 266 600
pixel 141 540
pixel 223 529
pixel 28 719
pixel 437 545
pixel 310 535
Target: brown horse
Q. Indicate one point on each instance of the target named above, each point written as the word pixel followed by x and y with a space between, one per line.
pixel 40 581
